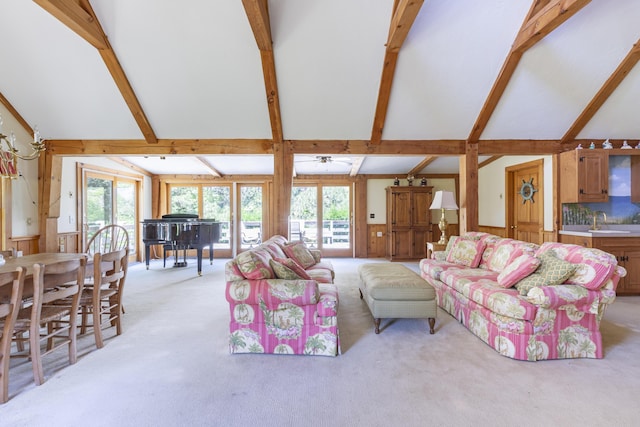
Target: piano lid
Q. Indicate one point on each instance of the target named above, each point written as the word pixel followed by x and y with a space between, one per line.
pixel 180 216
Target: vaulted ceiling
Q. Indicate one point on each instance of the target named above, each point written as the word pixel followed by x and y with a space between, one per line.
pixel 381 84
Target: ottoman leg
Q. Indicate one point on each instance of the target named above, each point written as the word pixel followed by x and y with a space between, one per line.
pixel 432 324
pixel 361 296
pixel 377 323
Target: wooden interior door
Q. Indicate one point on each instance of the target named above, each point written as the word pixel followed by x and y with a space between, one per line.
pixel 525 214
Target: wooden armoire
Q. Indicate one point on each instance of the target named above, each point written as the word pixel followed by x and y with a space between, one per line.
pixel 408 222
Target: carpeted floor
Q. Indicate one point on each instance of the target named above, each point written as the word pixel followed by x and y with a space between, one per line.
pixel 171 367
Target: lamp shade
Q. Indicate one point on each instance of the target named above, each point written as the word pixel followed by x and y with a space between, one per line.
pixel 444 200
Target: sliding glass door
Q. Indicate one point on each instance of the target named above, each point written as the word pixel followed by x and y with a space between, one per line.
pixel 110 200
pixel 321 217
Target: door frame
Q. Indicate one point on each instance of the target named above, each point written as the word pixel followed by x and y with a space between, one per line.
pixel 511 195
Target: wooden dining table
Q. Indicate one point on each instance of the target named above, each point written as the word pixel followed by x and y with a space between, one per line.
pixel 27 263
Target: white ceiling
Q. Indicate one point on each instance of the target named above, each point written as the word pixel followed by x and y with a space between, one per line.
pixel 196 70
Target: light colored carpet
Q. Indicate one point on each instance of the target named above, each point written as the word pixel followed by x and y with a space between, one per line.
pixel 171 367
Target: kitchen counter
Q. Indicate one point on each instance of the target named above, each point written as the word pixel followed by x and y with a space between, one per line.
pixel 605 231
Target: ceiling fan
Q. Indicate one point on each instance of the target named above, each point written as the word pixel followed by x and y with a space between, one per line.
pixel 323 160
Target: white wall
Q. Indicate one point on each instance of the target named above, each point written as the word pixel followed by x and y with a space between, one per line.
pixel 492 190
pixel 69 198
pixel 24 200
pixel 377 199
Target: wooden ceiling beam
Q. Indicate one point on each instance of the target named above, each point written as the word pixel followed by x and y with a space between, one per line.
pixel 131 166
pixel 79 20
pixel 258 14
pixel 540 21
pixel 356 165
pixel 166 147
pixel 604 93
pixel 403 18
pixel 200 147
pixel 545 21
pixel 488 161
pixel 405 13
pixel 80 17
pixel 423 164
pixel 4 101
pixel 213 171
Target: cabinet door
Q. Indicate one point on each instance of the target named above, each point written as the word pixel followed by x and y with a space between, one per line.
pixel 401 244
pixel 420 239
pixel 421 215
pixel 401 209
pixel 630 284
pixel 593 177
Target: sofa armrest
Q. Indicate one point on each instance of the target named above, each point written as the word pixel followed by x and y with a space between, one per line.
pixel 579 297
pixel 273 292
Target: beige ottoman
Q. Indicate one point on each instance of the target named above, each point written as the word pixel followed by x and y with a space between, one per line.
pixel 394 291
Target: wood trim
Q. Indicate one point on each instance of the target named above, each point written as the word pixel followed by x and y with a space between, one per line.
pixel 545 20
pixel 273 98
pixel 384 94
pixel 258 14
pixel 131 166
pixel 468 213
pixel 404 15
pixel 423 164
pixel 206 164
pixel 78 19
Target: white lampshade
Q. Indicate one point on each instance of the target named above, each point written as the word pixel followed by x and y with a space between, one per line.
pixel 444 200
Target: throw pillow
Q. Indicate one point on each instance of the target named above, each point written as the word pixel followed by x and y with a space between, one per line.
pixel 282 271
pixel 254 265
pixel 552 271
pixel 295 267
pixel 466 252
pixel 517 270
pixel 299 252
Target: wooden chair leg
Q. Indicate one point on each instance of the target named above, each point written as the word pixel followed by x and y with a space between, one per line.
pixel 73 334
pixel 97 326
pixel 34 350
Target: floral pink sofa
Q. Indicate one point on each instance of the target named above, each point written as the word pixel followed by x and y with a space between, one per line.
pixel 528 302
pixel 282 300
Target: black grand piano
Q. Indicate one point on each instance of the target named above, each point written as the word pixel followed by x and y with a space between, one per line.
pixel 180 232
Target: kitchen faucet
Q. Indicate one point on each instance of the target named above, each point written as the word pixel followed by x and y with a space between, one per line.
pixel 595 219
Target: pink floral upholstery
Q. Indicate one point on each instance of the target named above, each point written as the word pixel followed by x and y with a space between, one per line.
pixel 282 316
pixel 517 270
pixel 550 322
pixel 466 252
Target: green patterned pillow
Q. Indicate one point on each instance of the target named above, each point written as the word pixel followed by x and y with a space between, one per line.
pixel 282 271
pixel 552 271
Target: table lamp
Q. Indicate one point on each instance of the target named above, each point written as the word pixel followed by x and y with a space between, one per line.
pixel 443 200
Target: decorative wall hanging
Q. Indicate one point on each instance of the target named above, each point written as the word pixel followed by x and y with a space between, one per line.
pixel 527 190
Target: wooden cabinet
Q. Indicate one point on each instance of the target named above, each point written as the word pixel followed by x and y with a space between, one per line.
pixel 625 249
pixel 584 176
pixel 408 222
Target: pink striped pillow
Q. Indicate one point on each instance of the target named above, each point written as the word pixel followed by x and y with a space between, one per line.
pixel 517 270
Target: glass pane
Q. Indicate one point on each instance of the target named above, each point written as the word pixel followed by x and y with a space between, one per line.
pixel 336 230
pixel 250 216
pixel 126 210
pixel 217 205
pixel 99 209
pixel 184 200
pixel 303 226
